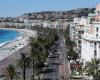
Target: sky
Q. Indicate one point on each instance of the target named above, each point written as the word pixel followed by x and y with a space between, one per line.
pixel 15 8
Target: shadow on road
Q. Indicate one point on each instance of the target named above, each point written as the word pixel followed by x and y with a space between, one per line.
pixel 55 63
pixel 48 71
pixel 47 79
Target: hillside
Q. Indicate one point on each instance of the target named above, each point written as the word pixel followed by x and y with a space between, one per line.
pixel 52 15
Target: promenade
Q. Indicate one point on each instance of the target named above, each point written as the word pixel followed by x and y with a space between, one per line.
pixel 57 67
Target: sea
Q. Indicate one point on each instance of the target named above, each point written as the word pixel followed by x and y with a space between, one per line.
pixel 8 35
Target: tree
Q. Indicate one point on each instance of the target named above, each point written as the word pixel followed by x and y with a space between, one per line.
pixel 33 53
pixel 9 73
pixel 37 55
pixel 24 63
pixel 92 69
pixel 72 54
pixel 39 47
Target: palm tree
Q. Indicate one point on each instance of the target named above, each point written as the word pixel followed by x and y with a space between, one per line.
pixel 92 69
pixel 9 73
pixel 39 48
pixel 33 53
pixel 38 53
pixel 24 63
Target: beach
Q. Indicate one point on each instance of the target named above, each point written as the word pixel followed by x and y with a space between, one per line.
pixel 11 51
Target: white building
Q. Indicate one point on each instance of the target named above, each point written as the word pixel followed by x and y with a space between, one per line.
pixel 91 39
pixel 58 24
pixel 76 31
pixel 73 26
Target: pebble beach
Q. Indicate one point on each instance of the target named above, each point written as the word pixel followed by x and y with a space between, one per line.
pixel 11 51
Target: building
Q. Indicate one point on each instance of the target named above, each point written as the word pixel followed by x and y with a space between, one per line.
pixel 91 38
pixel 76 31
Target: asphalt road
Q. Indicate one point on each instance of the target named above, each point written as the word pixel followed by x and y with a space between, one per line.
pixel 54 69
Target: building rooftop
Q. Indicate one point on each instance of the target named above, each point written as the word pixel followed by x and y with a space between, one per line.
pixel 91 15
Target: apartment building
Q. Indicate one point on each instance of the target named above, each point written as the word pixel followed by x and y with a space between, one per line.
pixel 76 31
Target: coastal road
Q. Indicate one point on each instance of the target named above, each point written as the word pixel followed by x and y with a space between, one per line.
pixel 57 67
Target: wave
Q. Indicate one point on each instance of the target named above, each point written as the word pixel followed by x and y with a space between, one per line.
pixel 4 43
pixel 18 37
pixel 7 42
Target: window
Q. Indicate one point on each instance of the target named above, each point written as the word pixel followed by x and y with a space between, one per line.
pixel 97 11
pixel 95 53
pixel 95 45
pixel 79 36
pixel 82 32
pixel 96 35
pixel 97 29
pixel 79 42
pixel 79 32
pixel 99 45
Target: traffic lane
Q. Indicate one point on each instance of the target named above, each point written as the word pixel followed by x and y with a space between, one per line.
pixel 52 70
pixel 51 73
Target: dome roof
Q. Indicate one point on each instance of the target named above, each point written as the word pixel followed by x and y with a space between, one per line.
pixel 97 17
pixel 98 7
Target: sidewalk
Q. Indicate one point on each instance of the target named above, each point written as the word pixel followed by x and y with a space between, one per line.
pixel 64 66
pixel 63 69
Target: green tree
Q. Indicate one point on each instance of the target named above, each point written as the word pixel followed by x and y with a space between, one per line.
pixel 9 73
pixel 92 69
pixel 33 53
pixel 39 47
pixel 24 63
pixel 72 54
pixel 37 54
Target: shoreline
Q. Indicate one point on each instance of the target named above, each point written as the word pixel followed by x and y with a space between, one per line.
pixel 15 45
pixel 25 31
pixel 12 58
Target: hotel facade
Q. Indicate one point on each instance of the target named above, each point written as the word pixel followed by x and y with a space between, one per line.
pixel 91 38
pixel 85 32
